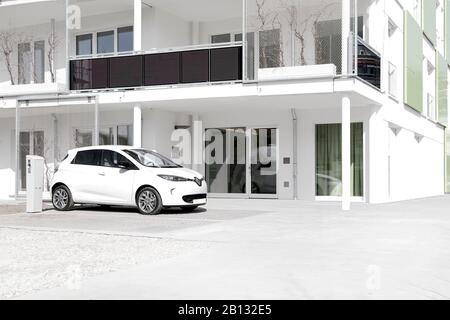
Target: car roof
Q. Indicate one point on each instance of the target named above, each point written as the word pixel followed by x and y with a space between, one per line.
pixel 112 148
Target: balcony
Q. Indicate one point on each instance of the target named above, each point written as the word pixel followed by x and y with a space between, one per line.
pixel 369 64
pixel 267 41
pixel 187 65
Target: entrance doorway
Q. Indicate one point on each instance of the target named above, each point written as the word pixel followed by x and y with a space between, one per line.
pixel 242 162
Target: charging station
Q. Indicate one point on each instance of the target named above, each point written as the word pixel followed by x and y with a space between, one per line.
pixel 35 183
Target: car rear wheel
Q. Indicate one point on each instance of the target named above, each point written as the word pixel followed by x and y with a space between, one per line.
pixel 149 201
pixel 62 198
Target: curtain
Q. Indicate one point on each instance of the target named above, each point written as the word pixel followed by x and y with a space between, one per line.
pixel 329 160
pixel 357 159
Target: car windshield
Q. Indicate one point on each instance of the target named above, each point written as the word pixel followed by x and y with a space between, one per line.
pixel 151 159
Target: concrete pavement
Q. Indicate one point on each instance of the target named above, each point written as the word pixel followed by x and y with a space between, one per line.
pixel 274 250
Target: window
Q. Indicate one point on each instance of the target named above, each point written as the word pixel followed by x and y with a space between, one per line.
pixel 39 62
pixel 113 159
pixel 111 135
pixel 125 39
pixel 329 160
pixel 125 135
pixel 31 62
pixel 270 49
pixel 117 40
pixel 24 63
pixel 221 38
pixel 88 158
pixel 105 42
pixel 83 138
pixel 84 45
pixel 106 136
pixel 392 80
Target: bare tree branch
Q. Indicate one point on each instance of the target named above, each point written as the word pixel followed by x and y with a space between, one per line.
pixel 7 44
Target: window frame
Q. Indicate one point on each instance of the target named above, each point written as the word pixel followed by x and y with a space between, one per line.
pixel 94 33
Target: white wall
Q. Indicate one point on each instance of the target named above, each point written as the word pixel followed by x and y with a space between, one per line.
pixel 7 158
pixel 157 129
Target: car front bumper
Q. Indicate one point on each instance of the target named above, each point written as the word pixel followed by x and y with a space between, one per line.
pixel 185 194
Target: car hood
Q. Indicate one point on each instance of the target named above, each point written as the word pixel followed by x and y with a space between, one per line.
pixel 179 172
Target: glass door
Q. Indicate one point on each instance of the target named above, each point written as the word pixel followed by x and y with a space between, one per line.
pixel 241 162
pixel 225 161
pixel 262 175
pixel 31 143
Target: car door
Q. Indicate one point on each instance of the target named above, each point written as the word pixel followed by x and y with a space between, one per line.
pixel 84 180
pixel 117 177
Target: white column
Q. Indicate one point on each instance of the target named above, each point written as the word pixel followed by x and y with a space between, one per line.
pixel 67 48
pixel 197 144
pixel 346 13
pixel 137 126
pixel 346 154
pixel 137 25
pixel 17 184
pixel 96 141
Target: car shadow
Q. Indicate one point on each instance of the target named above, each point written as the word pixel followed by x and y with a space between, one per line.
pixel 114 209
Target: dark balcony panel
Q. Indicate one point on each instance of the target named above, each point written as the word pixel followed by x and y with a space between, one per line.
pixel 126 72
pixel 89 74
pixel 195 66
pixel 226 64
pixel 162 69
pixel 369 65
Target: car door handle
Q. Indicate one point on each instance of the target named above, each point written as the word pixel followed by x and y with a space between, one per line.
pixel 102 174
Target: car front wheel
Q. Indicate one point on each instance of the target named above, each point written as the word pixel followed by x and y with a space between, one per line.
pixel 62 198
pixel 149 201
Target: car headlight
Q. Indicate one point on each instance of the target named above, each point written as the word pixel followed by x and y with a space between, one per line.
pixel 173 178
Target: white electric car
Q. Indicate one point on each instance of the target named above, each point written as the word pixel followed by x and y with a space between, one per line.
pixel 124 176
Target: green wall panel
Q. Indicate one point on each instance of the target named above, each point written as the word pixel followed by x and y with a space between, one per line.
pixel 429 19
pixel 447 30
pixel 442 89
pixel 413 62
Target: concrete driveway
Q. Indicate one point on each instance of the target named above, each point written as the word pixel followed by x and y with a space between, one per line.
pixel 237 249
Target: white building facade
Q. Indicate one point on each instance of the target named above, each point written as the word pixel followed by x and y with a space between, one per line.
pixel 333 100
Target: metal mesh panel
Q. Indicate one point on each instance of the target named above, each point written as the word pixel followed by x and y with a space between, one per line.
pixel 291 33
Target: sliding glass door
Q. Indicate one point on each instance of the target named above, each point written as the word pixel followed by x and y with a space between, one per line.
pixel 263 167
pixel 329 160
pixel 242 162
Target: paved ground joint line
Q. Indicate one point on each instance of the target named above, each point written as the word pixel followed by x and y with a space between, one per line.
pixel 104 233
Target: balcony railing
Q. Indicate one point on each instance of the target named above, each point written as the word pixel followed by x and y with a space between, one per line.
pixel 187 65
pixel 369 64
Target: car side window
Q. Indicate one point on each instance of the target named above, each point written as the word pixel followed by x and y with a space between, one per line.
pixel 88 158
pixel 112 159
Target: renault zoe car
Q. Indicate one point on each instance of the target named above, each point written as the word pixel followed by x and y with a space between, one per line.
pixel 125 176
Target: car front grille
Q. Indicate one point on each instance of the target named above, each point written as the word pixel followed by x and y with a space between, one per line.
pixel 191 198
